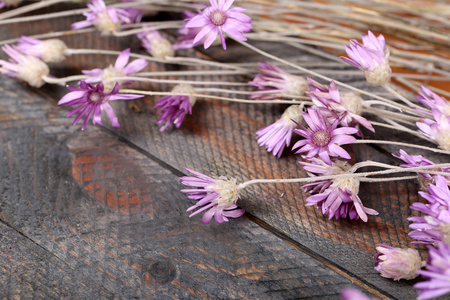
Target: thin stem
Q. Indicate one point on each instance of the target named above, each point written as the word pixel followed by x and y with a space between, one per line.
pixel 173 81
pixel 364 174
pixel 155 26
pixel 51 35
pixel 192 73
pixel 391 90
pixel 381 112
pixel 401 144
pixel 28 8
pixel 388 179
pixel 401 128
pixel 401 107
pixel 149 93
pixel 216 90
pixel 62 80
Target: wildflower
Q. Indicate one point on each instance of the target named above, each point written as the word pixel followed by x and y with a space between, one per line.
pixel 353 294
pixel 438 129
pixel 277 136
pixel 437 271
pixel 120 69
pixel 155 44
pixel 106 19
pixel 91 100
pixel 323 138
pixel 346 106
pixel 10 3
pixel 273 81
pixel 187 37
pixel 217 19
pixel 173 108
pixel 25 67
pixel 217 195
pixel 435 225
pixel 397 263
pixel 418 161
pixel 49 51
pixel 134 14
pixel 337 197
pixel 372 57
pixel 433 101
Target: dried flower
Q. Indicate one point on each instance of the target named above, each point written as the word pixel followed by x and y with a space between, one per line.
pixel 10 3
pixel 273 82
pixel 187 37
pixel 353 294
pixel 173 108
pixel 120 69
pixel 155 44
pixel 417 161
pixel 347 107
pixel 217 19
pixel 217 195
pixel 435 225
pixel 277 136
pixel 438 129
pixel 106 19
pixel 91 100
pixel 433 101
pixel 437 271
pixel 337 197
pixel 372 57
pixel 323 138
pixel 397 263
pixel 49 51
pixel 25 67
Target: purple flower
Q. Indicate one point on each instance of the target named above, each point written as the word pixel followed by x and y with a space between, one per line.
pixel 277 136
pixel 106 19
pixel 437 271
pixel 217 19
pixel 91 100
pixel 49 51
pixel 418 161
pixel 438 129
pixel 347 107
pixel 397 263
pixel 155 44
pixel 435 225
pixel 433 101
pixel 372 57
pixel 120 69
pixel 25 67
pixel 217 195
pixel 10 3
pixel 173 108
pixel 133 14
pixel 337 197
pixel 323 138
pixel 353 294
pixel 273 81
pixel 187 37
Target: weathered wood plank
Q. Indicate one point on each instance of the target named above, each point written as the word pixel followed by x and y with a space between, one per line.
pixel 89 217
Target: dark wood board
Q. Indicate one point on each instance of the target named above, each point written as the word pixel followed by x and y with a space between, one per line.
pixel 97 200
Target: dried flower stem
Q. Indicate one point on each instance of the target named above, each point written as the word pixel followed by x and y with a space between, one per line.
pixel 173 81
pixel 401 144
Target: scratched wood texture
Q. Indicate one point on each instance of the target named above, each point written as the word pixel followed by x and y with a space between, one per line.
pixel 98 214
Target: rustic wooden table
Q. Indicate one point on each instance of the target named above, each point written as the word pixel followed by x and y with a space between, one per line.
pixel 98 214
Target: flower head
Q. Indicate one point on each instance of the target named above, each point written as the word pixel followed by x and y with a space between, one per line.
pixel 173 108
pixel 435 225
pixel 91 100
pixel 187 35
pixel 337 197
pixel 155 44
pixel 323 138
pixel 49 51
pixel 277 136
pixel 217 195
pixel 273 81
pixel 120 69
pixel 418 161
pixel 347 107
pixel 9 3
pixel 25 67
pixel 433 101
pixel 106 19
pixel 397 263
pixel 372 57
pixel 437 271
pixel 218 19
pixel 437 129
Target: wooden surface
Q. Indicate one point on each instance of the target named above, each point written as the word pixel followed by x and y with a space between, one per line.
pixel 98 213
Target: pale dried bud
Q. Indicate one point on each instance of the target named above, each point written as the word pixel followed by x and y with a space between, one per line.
pixel 185 89
pixel 379 75
pixel 32 70
pixel 397 263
